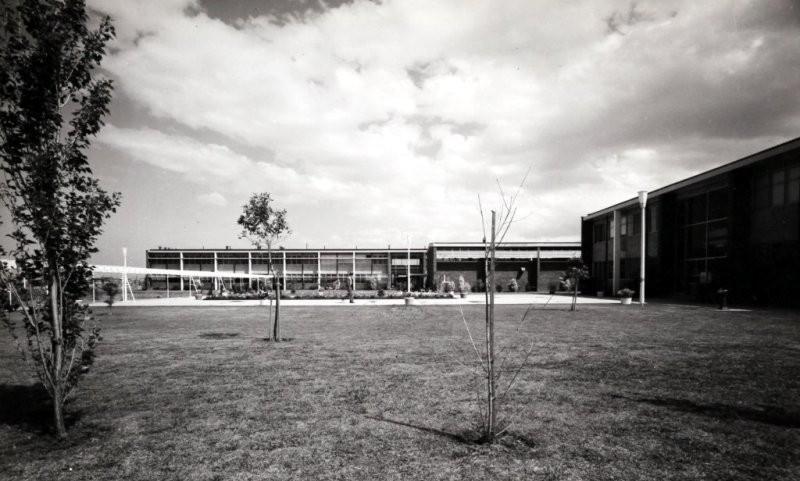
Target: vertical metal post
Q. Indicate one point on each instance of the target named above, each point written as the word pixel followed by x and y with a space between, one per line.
pixel 319 267
pixel 124 273
pixel 216 276
pixel 408 264
pixel 615 253
pixel 643 233
pixel 283 272
pixel 167 286
pixel 538 266
pixel 354 271
pixel 181 254
pixel 250 267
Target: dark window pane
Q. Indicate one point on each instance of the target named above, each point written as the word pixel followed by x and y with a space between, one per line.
pixel 778 179
pixel 697 209
pixel 718 204
pixel 793 194
pixel 762 192
pixel 717 238
pixel 696 241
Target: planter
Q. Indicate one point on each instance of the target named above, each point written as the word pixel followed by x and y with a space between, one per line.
pixel 410 301
pixel 463 295
pixel 626 300
pixel 600 293
pixel 199 297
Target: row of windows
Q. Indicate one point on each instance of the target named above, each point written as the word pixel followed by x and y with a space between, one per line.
pixel 777 187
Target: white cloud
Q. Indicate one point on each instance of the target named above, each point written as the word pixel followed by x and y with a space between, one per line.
pixel 213 198
pixel 414 107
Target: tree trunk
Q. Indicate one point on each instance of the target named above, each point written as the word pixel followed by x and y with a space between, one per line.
pixel 58 355
pixel 575 296
pixel 490 409
pixel 276 327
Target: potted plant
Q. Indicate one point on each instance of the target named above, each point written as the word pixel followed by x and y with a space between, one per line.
pixel 625 295
pixel 722 298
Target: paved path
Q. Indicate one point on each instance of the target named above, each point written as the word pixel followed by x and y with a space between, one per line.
pixel 472 299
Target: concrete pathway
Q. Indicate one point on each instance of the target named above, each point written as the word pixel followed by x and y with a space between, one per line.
pixel 474 299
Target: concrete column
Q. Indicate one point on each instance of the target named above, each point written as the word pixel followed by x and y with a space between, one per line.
pixel 283 272
pixel 388 270
pixel 538 267
pixel 181 254
pixel 216 279
pixel 250 267
pixel 615 253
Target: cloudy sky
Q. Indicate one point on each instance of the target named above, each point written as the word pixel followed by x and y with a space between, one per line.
pixel 374 121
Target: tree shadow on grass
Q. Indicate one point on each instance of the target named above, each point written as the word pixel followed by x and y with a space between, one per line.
pixel 767 414
pixel 29 407
pixel 472 437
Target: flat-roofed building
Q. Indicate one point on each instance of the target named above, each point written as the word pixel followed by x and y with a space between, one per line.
pixel 533 264
pixel 734 227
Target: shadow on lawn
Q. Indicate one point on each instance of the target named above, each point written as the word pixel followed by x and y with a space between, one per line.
pixel 468 437
pixel 774 415
pixel 28 406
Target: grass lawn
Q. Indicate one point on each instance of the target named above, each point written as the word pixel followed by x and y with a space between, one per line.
pixel 666 392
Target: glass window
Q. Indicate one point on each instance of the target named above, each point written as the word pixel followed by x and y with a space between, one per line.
pixel 778 180
pixel 793 191
pixel 623 226
pixel 696 240
pixel 599 232
pixel 652 218
pixel 717 238
pixel 697 209
pixel 762 192
pixel 718 204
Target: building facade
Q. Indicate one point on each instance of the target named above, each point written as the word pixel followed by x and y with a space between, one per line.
pixel 735 227
pixel 533 264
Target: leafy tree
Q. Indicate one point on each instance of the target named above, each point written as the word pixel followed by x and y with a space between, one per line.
pixel 52 104
pixel 573 275
pixel 262 224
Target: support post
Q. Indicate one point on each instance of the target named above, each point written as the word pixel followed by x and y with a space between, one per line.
pixel 124 274
pixel 319 274
pixel 408 265
pixel 538 266
pixel 283 272
pixel 181 254
pixel 615 252
pixel 250 268
pixel 354 271
pixel 642 235
pixel 216 275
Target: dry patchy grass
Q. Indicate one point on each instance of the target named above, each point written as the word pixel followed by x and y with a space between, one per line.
pixel 666 392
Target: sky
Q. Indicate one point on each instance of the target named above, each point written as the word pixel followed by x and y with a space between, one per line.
pixel 380 123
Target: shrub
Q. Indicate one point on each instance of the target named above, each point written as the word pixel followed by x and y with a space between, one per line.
pixel 463 286
pixel 381 293
pixel 625 292
pixel 373 283
pixel 111 290
pixel 498 287
pixel 552 286
pixel 448 286
pixel 513 286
